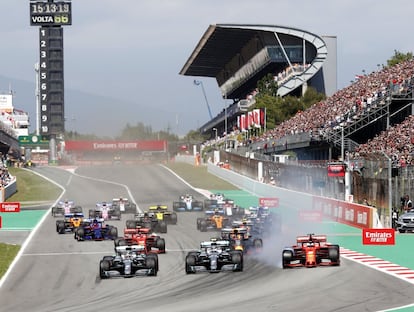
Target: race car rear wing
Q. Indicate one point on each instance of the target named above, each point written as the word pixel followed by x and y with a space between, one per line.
pixel 218 243
pixel 137 231
pixel 130 248
pixel 158 207
pixel 311 237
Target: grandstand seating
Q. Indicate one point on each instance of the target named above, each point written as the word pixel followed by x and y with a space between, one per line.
pixel 350 109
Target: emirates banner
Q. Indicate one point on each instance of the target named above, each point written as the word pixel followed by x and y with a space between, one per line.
pixel 378 236
pixel 336 170
pixel 116 145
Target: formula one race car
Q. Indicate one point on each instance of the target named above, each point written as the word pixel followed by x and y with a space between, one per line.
pixel 105 211
pixel 70 222
pixel 153 243
pixel 162 213
pixel 264 221
pixel 124 205
pixel 187 203
pixel 242 240
pixel 128 261
pixel 214 220
pixel 311 251
pixel 65 207
pixel 95 229
pixel 214 256
pixel 147 220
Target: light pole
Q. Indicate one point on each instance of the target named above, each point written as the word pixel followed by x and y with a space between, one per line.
pixel 200 83
pixel 225 121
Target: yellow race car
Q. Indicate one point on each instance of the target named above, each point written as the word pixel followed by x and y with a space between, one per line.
pixel 162 213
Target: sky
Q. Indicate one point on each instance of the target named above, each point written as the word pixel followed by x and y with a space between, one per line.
pixel 133 50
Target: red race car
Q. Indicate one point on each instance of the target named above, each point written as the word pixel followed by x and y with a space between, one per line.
pixel 144 237
pixel 311 251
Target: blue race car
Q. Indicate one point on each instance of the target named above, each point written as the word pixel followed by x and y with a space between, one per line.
pixel 187 203
pixel 95 229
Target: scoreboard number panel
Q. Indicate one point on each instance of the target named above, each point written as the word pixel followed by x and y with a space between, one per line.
pixel 57 13
pixel 51 80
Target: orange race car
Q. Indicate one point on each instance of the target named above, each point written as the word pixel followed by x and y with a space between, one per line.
pixel 214 220
pixel 311 251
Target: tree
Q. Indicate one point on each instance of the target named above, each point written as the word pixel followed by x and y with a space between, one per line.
pixel 399 57
pixel 279 109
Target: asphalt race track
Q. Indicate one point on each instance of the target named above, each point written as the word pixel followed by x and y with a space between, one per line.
pixel 57 273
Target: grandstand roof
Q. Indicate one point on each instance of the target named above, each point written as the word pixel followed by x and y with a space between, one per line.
pixel 216 48
pixel 221 42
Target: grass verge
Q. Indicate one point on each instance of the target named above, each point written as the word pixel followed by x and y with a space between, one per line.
pixel 7 254
pixel 199 177
pixel 32 188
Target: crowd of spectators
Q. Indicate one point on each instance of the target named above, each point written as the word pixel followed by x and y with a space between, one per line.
pixel 289 72
pixel 5 177
pixel 350 104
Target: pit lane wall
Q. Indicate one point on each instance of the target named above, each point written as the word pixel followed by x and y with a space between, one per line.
pixel 355 215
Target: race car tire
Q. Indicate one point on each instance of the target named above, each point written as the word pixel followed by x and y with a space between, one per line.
pixel 54 211
pixel 150 263
pixel 199 222
pixel 113 232
pixel 203 226
pixel 78 209
pixel 120 241
pixel 257 244
pixel 104 265
pixel 131 224
pixel 237 259
pixel 190 261
pixel 333 253
pixel 80 233
pixel 60 227
pixel 91 213
pixel 160 244
pixel 155 256
pixel 108 258
pixel 197 205
pixel 176 206
pixel 401 230
pixel 132 208
pixel 173 218
pixel 287 256
pixel 162 226
pixel 147 225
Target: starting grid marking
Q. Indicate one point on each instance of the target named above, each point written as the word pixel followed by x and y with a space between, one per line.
pixel 379 264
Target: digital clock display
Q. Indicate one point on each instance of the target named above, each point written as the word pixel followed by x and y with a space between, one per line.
pixel 50 13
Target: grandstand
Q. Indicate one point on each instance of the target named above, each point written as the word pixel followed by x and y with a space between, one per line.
pixel 239 55
pixel 346 119
pixel 13 123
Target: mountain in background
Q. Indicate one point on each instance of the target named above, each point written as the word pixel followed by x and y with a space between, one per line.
pixel 84 113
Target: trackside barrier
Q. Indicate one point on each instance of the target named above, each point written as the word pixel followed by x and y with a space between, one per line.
pixel 189 159
pixel 340 211
pixel 8 190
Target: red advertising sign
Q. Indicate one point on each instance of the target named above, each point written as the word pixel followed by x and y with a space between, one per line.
pixel 271 202
pixel 348 213
pixel 310 215
pixel 336 170
pixel 378 236
pixel 10 207
pixel 116 145
pixel 0 223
